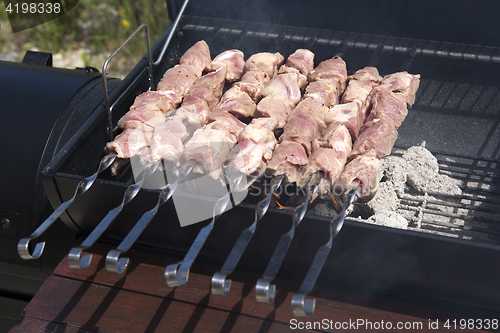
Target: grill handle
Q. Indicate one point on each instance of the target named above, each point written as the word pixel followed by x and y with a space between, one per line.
pixel 171 33
pixel 109 108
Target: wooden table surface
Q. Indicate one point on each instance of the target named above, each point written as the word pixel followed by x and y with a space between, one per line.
pixel 95 300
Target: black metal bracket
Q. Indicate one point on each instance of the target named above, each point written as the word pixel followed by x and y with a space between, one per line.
pixel 38 58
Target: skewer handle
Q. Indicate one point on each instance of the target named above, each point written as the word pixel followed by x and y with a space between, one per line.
pixel 177 274
pixel 300 305
pixel 221 286
pixel 303 306
pixel 75 258
pixel 83 186
pixel 113 261
pixel 264 289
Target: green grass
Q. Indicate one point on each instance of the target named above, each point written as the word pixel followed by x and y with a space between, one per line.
pixel 99 25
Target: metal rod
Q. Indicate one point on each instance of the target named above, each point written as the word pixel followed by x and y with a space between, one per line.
pixel 82 187
pixel 171 33
pixel 113 261
pixel 264 290
pixel 221 286
pixel 300 305
pixel 177 274
pixel 409 59
pixel 127 92
pixel 75 258
pixel 105 70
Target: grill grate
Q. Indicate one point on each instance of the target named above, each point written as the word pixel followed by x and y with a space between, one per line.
pixel 214 28
pixel 456 111
pixel 472 215
pixel 475 214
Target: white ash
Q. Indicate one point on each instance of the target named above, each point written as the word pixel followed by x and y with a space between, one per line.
pixel 415 194
pixel 415 172
pixel 324 208
pixel 423 173
pixel 389 219
pixel 386 199
pixel 393 171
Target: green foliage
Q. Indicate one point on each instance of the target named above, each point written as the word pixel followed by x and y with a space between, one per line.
pixel 100 25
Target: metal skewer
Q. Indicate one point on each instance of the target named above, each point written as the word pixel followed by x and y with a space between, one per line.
pixel 75 258
pixel 177 274
pixel 264 290
pixel 221 286
pixel 83 186
pixel 113 261
pixel 300 305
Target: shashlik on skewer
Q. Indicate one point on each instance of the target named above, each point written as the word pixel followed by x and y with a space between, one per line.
pixel 387 104
pixel 306 121
pixel 166 140
pixel 306 132
pixel 149 108
pixel 281 94
pixel 331 149
pixel 210 146
pixel 177 274
pixel 255 147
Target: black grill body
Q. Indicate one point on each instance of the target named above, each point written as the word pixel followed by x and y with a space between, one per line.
pixel 452 45
pixel 402 262
pixel 42 107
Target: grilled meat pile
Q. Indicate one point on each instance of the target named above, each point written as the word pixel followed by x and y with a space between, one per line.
pixel 267 115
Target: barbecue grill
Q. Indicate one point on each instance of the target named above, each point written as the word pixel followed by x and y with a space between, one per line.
pixel 449 253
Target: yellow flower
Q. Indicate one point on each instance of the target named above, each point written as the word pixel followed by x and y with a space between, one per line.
pixel 126 23
pixel 121 12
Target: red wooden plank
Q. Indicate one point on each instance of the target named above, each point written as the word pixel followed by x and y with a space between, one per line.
pixel 100 308
pixel 29 324
pixel 337 306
